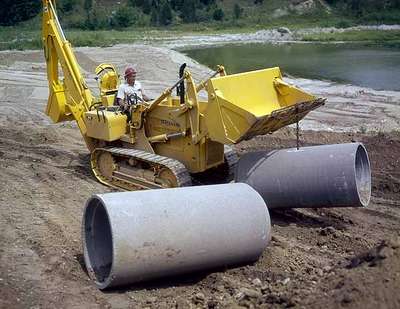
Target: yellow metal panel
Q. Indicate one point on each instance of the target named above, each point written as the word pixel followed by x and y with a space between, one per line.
pixel 105 125
pixel 252 91
pixel 109 82
pixel 56 108
pixel 108 100
pixel 253 103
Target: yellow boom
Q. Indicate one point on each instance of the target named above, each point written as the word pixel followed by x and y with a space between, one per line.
pixel 70 97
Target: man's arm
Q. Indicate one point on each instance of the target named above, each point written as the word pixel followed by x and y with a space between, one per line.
pixel 120 95
pixel 145 97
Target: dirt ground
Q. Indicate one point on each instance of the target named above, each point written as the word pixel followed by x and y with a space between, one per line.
pixel 317 258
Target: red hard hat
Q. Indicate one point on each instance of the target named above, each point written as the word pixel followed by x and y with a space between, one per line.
pixel 129 71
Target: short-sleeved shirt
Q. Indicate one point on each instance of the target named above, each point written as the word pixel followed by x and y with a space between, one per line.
pixel 126 90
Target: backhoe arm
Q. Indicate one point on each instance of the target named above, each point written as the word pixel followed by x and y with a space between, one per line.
pixel 70 97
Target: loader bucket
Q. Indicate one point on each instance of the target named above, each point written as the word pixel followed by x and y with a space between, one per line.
pixel 244 105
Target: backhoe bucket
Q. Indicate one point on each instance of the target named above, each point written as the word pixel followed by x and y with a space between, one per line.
pixel 244 105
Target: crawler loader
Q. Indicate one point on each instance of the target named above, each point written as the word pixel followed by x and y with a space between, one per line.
pixel 171 140
pixel 174 141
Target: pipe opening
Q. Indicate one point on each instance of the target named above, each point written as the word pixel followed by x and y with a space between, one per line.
pixel 98 240
pixel 363 175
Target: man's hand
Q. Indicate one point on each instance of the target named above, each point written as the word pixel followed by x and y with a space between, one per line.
pixel 145 97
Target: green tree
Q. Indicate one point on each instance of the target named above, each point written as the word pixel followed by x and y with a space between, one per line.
pixel 147 6
pixel 87 5
pixel 165 14
pixel 188 11
pixel 13 12
pixel 125 16
pixel 99 18
pixel 356 7
pixel 154 16
pixel 136 3
pixel 68 5
pixel 177 4
pixel 207 2
pixel 237 11
pixel 218 14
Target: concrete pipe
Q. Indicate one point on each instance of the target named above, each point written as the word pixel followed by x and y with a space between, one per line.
pixel 136 236
pixel 319 176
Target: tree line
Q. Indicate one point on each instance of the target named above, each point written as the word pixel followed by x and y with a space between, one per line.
pixel 362 7
pixel 87 14
pixel 153 12
pixel 13 12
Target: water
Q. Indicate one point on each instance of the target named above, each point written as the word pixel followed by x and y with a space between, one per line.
pixel 372 67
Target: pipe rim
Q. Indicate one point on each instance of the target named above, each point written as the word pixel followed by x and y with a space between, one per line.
pixel 362 174
pixel 103 278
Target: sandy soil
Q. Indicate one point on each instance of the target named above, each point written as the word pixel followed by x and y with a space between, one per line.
pixel 328 257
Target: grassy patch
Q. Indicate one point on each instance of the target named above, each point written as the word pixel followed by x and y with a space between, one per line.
pixel 22 38
pixel 375 37
pixel 13 38
pixel 27 35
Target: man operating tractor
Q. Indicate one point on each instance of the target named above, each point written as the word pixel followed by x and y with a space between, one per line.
pixel 130 91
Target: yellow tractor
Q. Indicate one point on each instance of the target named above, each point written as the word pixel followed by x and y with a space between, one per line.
pixel 168 141
pixel 171 141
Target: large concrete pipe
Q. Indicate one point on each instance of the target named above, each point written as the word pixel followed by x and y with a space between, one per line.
pixel 135 236
pixel 319 176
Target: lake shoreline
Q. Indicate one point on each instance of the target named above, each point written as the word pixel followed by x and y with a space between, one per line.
pixel 385 35
pixel 283 35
